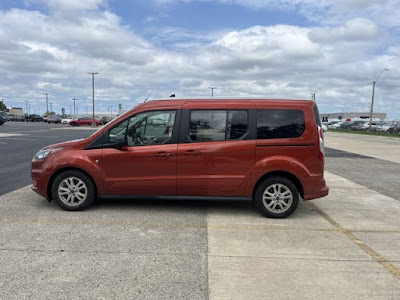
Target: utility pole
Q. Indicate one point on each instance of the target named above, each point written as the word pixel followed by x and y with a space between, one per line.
pixel 74 104
pixel 93 73
pixel 212 88
pixel 47 102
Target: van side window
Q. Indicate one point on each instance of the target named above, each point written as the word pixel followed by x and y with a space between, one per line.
pixel 279 123
pixel 217 125
pixel 148 128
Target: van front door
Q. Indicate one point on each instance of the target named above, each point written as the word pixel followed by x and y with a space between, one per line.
pixel 146 165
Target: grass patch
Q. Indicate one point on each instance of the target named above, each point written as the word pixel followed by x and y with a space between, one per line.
pixel 394 135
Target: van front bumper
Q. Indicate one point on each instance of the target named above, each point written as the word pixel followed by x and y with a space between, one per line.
pixel 39 182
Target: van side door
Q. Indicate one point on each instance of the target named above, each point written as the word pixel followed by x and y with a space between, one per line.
pixel 216 151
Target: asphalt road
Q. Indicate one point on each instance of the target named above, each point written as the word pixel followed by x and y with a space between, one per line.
pixel 19 142
pixel 377 174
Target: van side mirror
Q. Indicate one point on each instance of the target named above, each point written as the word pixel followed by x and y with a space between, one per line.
pixel 119 142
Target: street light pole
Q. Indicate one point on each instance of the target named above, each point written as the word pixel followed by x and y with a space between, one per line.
pixel 47 102
pixel 93 73
pixel 371 111
pixel 212 88
pixel 313 94
pixel 74 105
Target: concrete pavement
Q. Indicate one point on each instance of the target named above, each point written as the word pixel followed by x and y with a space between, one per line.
pixel 344 246
pixel 385 148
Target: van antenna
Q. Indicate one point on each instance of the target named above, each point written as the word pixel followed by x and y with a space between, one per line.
pixel 148 96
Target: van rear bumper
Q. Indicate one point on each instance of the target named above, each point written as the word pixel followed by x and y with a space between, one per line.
pixel 318 189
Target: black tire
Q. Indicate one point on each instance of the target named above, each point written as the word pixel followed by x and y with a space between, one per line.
pixel 282 197
pixel 74 124
pixel 73 184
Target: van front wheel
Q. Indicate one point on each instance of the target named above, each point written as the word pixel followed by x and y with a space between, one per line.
pixel 73 190
pixel 277 197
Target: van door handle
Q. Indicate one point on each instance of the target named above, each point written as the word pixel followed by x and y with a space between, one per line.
pixel 192 152
pixel 162 154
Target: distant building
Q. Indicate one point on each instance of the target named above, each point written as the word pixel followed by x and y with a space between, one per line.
pixel 18 111
pixel 352 115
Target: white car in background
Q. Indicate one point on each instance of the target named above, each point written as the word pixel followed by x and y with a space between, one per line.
pixel 67 120
pixel 335 125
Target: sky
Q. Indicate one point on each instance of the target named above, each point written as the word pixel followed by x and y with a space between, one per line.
pixel 243 48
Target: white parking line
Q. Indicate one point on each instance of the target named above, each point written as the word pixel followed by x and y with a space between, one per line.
pixel 11 134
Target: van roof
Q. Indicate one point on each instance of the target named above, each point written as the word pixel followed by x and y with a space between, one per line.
pixel 182 101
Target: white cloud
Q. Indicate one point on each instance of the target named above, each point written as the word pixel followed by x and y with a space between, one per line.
pixel 355 30
pixel 53 52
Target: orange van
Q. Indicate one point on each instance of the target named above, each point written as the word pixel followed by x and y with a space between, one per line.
pixel 268 151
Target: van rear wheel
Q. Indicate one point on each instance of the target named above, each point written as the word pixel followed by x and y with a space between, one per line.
pixel 73 190
pixel 277 197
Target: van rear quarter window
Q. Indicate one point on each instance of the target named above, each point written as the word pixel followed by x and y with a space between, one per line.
pixel 279 123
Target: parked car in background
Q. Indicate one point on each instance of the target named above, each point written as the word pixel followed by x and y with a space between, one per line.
pixel 374 126
pixel 67 120
pixel 3 117
pixel 335 125
pixel 387 126
pixel 53 119
pixel 349 124
pixel 324 127
pixel 394 129
pixel 85 121
pixel 360 125
pixel 15 118
pixel 34 118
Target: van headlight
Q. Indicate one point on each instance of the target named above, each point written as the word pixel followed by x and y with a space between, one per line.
pixel 43 153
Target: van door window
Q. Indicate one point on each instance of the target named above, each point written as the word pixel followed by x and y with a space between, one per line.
pixel 148 128
pixel 279 123
pixel 217 125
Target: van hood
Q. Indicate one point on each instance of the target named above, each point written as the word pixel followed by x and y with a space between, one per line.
pixel 64 144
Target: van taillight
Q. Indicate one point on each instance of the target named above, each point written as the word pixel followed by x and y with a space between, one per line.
pixel 321 143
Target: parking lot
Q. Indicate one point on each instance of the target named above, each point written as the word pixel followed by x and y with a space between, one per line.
pixel 343 246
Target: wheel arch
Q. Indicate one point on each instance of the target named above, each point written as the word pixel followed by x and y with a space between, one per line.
pixel 285 174
pixel 64 169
